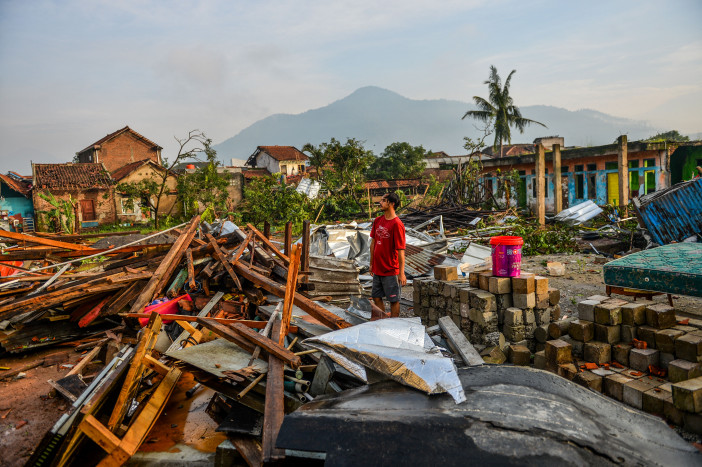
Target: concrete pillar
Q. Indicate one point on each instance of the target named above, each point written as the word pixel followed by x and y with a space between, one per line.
pixel 623 160
pixel 557 190
pixel 540 190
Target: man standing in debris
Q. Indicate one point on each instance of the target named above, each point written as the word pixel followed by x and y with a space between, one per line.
pixel 387 255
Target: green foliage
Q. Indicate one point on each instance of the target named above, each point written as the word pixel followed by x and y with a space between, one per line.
pixel 265 199
pixel 143 191
pixel 672 135
pixel 398 160
pixel 507 183
pixel 206 188
pixel 542 241
pixel 499 110
pixel 63 215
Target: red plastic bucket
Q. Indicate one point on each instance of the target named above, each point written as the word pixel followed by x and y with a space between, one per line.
pixel 506 256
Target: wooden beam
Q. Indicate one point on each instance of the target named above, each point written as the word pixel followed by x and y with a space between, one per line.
pixel 44 241
pixel 539 180
pixel 459 343
pixel 287 242
pixel 249 448
pixel 93 429
pixel 623 163
pixel 267 229
pixel 269 345
pixel 191 269
pixel 223 260
pixel 193 319
pixel 274 410
pixel 557 188
pixel 305 257
pixel 268 243
pixel 318 312
pixel 243 246
pixel 225 332
pixel 290 288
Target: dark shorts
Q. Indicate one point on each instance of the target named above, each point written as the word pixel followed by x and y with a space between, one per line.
pixel 386 286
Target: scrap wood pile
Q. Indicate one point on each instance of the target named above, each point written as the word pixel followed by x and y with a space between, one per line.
pixel 225 315
pixel 455 216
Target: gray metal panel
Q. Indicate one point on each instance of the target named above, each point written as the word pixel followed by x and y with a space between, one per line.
pixel 673 214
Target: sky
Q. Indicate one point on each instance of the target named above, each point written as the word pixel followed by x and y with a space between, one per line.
pixel 73 71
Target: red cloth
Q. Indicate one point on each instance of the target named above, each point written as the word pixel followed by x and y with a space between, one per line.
pixel 389 237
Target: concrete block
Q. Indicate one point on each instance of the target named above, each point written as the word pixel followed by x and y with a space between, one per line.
pixel 503 301
pixel 520 300
pixel 557 352
pixel 464 309
pixel 581 330
pixel 648 335
pixel 628 333
pixel 689 347
pixel 673 414
pixel 483 301
pixel 614 385
pixel 589 380
pixel 524 284
pixel 541 333
pixel 598 298
pixel 529 331
pixel 554 296
pixel 660 316
pixel 608 334
pixel 615 301
pixel 597 352
pixel 484 280
pixel 682 370
pixel 634 314
pixel 567 371
pixel 493 355
pixel 495 339
pixel 555 312
pixel 620 353
pixel 542 316
pixel 519 355
pixel 665 339
pixel 577 346
pixel 513 317
pixel 541 285
pixel 540 360
pixel 633 391
pixel 692 422
pixel 665 358
pixel 608 314
pixel 542 300
pixel 586 310
pixel 474 279
pixel 499 285
pixel 654 400
pixel 528 316
pixel 514 333
pixel 641 359
pixel 687 395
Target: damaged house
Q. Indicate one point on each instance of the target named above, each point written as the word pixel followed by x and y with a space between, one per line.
pixel 286 160
pixel 16 208
pixel 120 148
pixel 134 173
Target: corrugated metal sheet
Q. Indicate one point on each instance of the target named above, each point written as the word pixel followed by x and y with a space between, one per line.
pixel 673 214
pixel 420 261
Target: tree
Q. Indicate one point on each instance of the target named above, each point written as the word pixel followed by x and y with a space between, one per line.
pixel 499 109
pixel 671 135
pixel 342 168
pixel 265 198
pixel 399 160
pixel 188 147
pixel 205 190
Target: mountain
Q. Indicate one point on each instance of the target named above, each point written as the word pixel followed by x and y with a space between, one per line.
pixel 380 117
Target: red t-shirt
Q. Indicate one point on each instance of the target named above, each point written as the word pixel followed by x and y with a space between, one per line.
pixel 389 237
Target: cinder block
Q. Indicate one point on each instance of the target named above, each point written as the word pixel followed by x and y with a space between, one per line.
pixel 474 279
pixel 641 359
pixel 586 310
pixel 687 395
pixel 484 280
pixel 648 335
pixel 542 300
pixel 576 345
pixel 608 314
pixel 567 371
pixel 540 360
pixel 519 355
pixel 621 353
pixel 529 316
pixel 665 339
pixel 660 316
pixel 520 300
pixel 672 413
pixel 513 333
pixel 513 317
pixel 628 333
pixel 555 313
pixel 503 301
pixel 633 391
pixel 543 316
pixel 581 330
pixel 482 301
pixel 541 333
pixel 590 380
pixel 499 285
pixel 682 370
pixel 554 296
pixel 493 355
pixel 634 314
pixel 524 284
pixel 597 352
pixel 689 347
pixel 541 285
pixel 664 359
pixel 614 385
pixel 608 334
pixel 557 352
pixel 654 400
pixel 692 422
pixel 464 308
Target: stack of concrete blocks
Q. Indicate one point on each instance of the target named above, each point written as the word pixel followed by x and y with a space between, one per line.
pixel 498 315
pixel 628 344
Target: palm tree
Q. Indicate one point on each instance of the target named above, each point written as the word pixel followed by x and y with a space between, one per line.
pixel 499 109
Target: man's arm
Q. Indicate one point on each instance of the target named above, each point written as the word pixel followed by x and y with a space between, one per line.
pixel 401 260
pixel 372 254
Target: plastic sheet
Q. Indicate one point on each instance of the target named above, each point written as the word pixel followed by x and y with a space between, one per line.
pixel 398 348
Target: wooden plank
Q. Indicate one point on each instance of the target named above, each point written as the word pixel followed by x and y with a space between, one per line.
pixel 90 316
pixel 267 229
pixel 287 241
pixel 223 260
pixel 183 337
pixel 315 310
pixel 153 364
pixel 269 244
pixel 225 332
pixel 269 345
pixel 193 319
pixel 166 268
pixel 249 448
pixel 540 181
pixel 123 298
pixel 266 332
pixel 191 269
pixel 93 429
pixel 274 410
pixel 459 343
pixel 242 247
pixel 44 241
pixel 290 287
pixel 305 258
pixel 557 188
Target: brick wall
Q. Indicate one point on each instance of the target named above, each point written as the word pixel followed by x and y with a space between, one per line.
pixel 125 149
pixel 103 200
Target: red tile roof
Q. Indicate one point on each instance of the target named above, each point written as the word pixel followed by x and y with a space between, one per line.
pixel 71 176
pixel 20 187
pixel 282 153
pixel 374 184
pixel 253 173
pixel 97 143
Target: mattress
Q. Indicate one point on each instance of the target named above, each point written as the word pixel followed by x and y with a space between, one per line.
pixel 674 268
